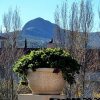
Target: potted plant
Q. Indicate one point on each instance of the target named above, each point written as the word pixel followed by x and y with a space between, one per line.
pixel 47 70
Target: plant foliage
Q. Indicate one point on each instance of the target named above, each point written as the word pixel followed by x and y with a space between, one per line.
pixel 48 58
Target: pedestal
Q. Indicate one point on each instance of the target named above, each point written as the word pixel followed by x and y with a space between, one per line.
pixel 39 97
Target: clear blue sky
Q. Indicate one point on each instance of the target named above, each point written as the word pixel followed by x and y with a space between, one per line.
pixel 30 9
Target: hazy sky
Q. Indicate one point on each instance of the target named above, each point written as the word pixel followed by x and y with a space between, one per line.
pixel 30 9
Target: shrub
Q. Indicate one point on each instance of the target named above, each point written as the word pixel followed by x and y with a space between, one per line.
pixel 56 58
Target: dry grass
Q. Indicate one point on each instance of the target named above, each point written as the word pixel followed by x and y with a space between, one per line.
pixel 96 95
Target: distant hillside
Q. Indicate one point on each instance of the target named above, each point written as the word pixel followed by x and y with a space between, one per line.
pixel 94 40
pixel 38 32
pixel 39 28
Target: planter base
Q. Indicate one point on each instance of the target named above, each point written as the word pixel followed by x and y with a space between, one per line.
pixel 39 97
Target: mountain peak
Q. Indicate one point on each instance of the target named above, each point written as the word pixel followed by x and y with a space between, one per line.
pixel 41 19
pixel 38 18
pixel 38 27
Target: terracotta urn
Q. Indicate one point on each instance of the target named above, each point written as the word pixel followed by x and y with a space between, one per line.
pixel 44 81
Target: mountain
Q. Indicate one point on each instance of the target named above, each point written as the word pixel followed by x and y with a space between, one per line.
pixel 37 32
pixel 39 28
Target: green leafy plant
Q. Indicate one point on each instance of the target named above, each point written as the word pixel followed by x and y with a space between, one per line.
pixel 56 58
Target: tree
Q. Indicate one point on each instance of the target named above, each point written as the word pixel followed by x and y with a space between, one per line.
pixel 74 35
pixel 86 24
pixel 57 35
pixel 76 40
pixel 10 53
pixel 61 22
pixel 99 15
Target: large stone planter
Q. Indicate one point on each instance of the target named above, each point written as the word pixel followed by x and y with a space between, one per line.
pixel 44 81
